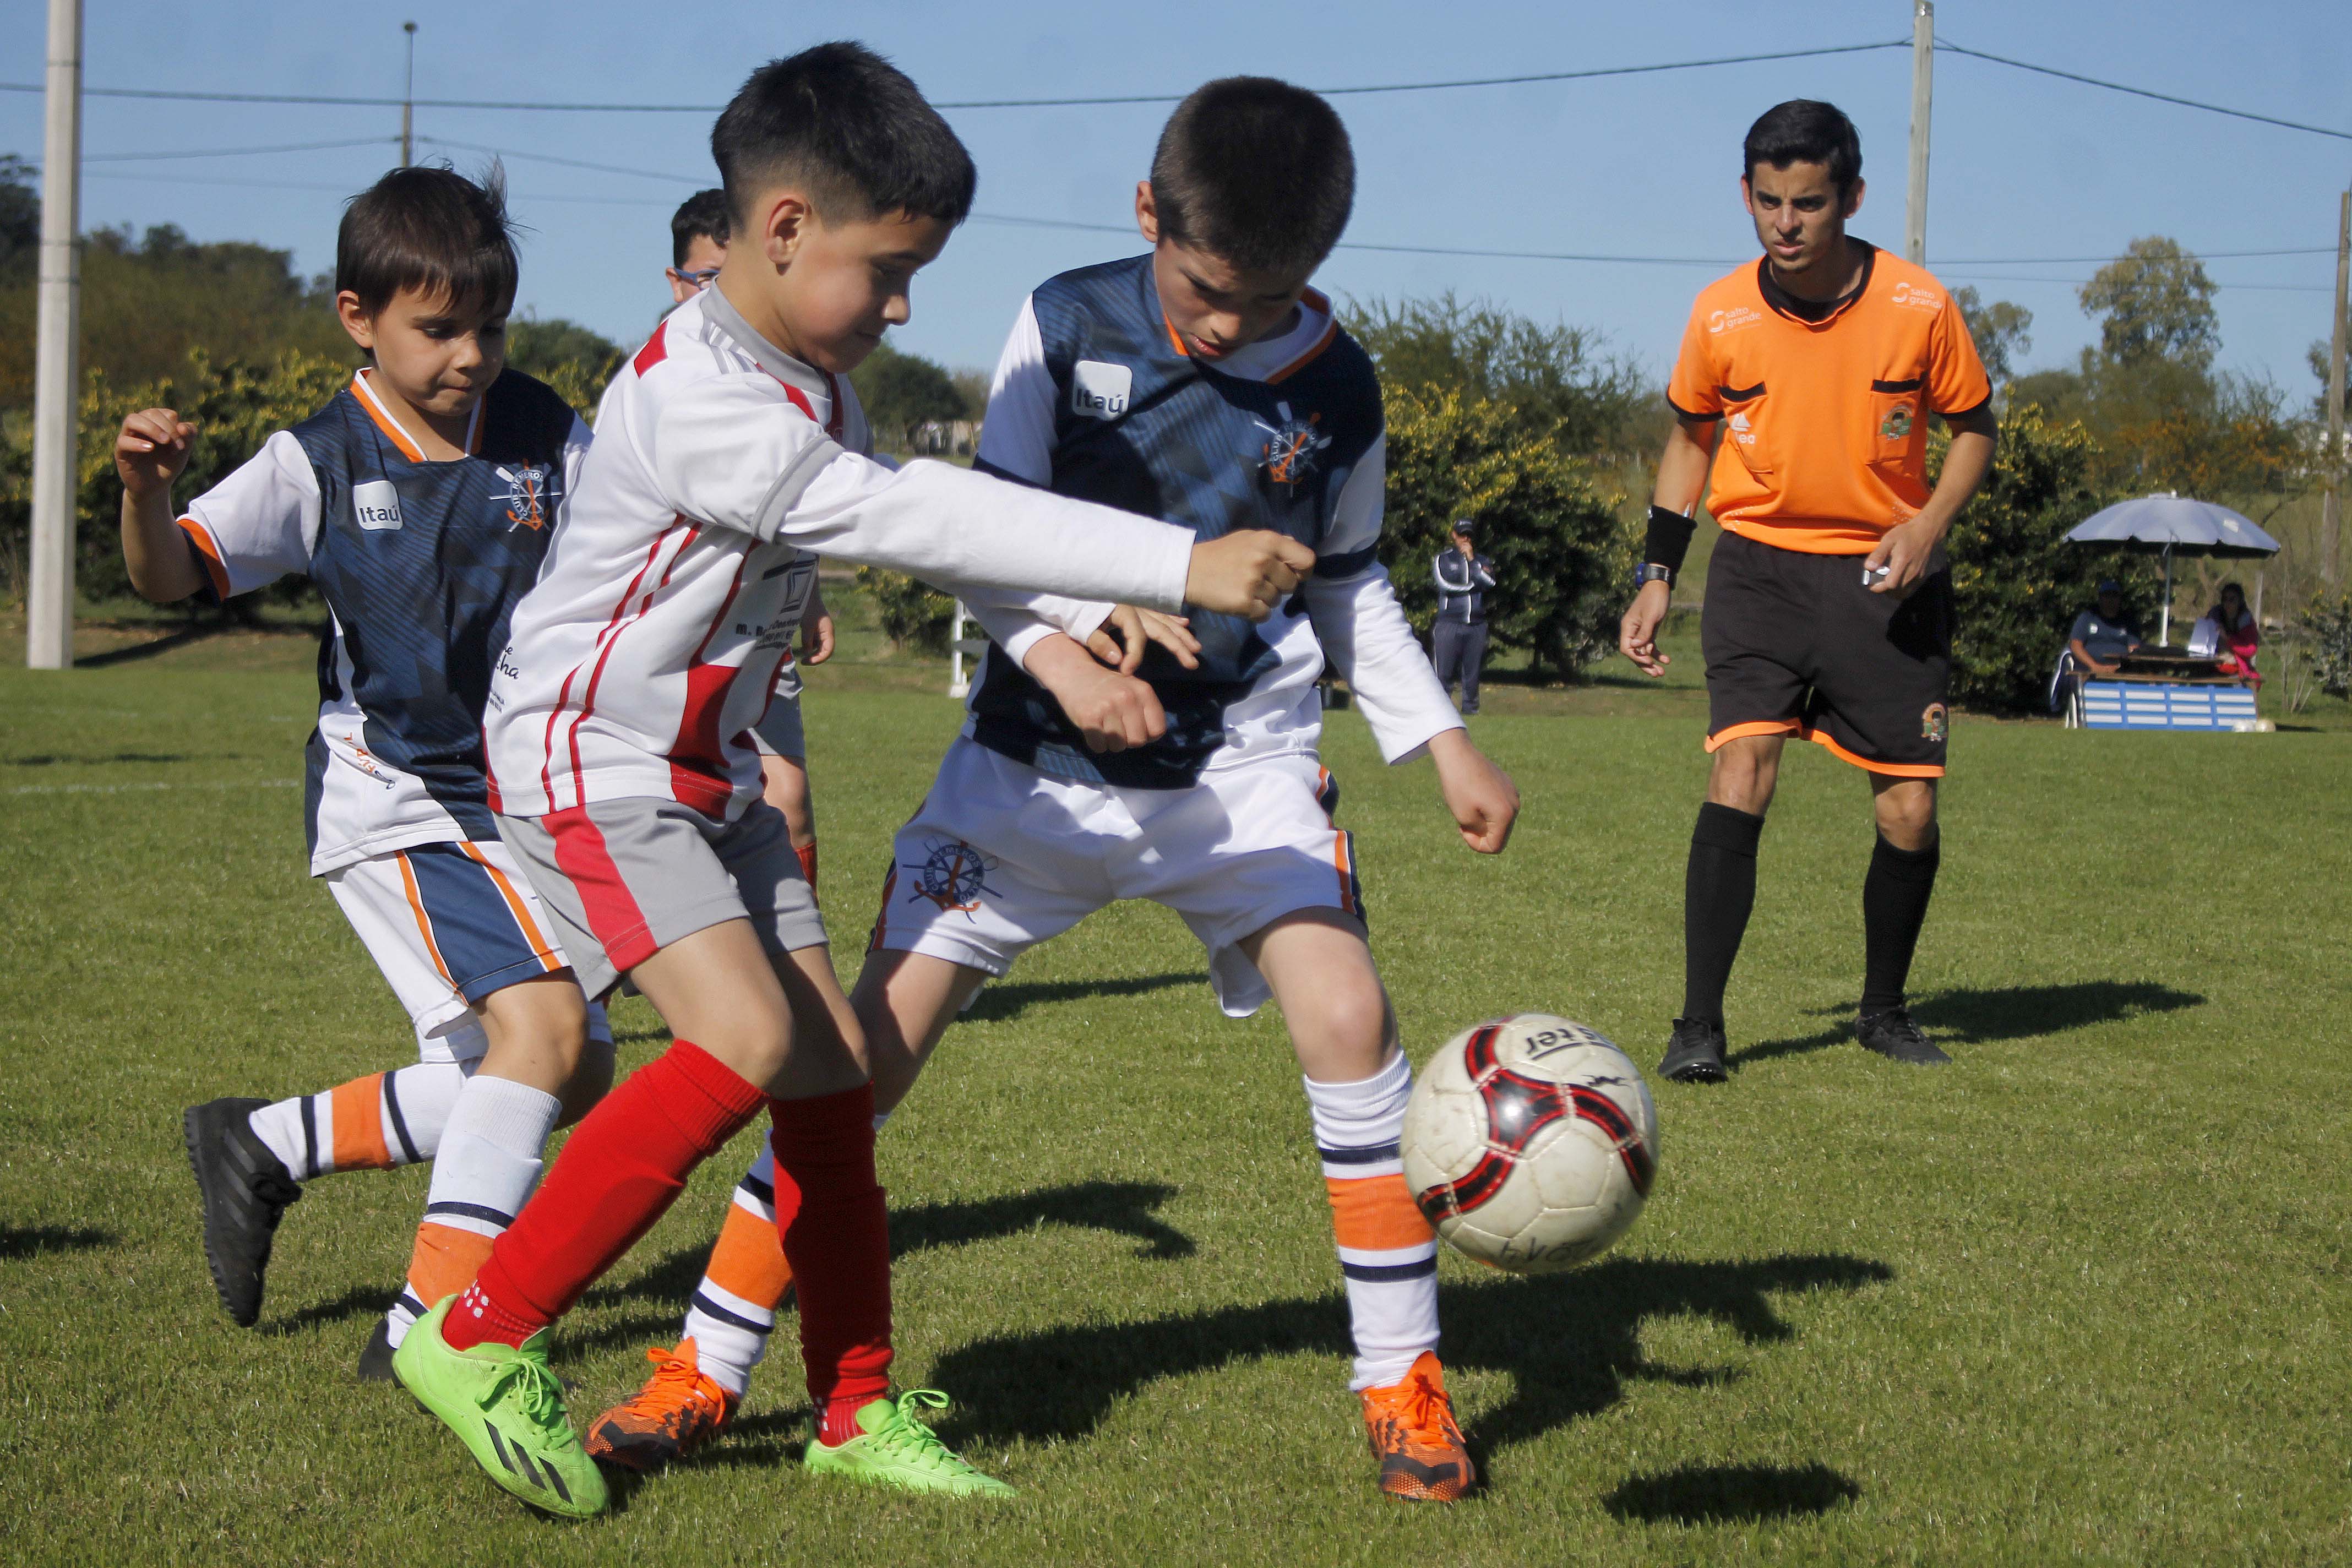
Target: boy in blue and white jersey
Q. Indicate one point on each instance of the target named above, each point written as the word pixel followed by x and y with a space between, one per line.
pixel 419 502
pixel 1205 384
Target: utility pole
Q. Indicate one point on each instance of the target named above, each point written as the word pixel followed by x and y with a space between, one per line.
pixel 57 389
pixel 2332 505
pixel 407 104
pixel 1923 86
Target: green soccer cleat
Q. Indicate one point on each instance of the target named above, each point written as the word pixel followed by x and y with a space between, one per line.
pixel 899 1450
pixel 507 1407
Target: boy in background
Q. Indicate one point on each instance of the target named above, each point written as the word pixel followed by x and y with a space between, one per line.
pixel 623 785
pixel 1208 383
pixel 699 232
pixel 419 502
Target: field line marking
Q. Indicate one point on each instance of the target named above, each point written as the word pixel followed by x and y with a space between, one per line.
pixel 126 788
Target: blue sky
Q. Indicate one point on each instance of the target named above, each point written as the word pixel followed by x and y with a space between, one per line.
pixel 2024 166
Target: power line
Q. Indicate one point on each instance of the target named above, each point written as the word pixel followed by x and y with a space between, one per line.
pixel 2143 92
pixel 235 151
pixel 184 95
pixel 570 163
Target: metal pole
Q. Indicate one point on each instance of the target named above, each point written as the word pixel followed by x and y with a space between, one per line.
pixel 1923 84
pixel 407 105
pixel 2164 637
pixel 56 387
pixel 2333 504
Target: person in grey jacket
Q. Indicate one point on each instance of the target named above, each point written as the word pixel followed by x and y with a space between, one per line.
pixel 1464 578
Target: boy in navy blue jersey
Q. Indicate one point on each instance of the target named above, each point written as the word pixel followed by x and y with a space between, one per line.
pixel 1204 383
pixel 419 502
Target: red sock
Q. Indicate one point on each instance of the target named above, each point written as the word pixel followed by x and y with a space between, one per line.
pixel 836 1234
pixel 625 1165
pixel 807 853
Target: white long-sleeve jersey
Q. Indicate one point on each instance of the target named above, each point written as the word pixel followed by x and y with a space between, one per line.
pixel 651 641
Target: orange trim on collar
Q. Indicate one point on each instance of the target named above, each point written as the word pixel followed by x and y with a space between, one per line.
pixel 1330 330
pixel 1174 341
pixel 383 419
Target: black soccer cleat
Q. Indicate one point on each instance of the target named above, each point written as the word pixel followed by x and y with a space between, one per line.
pixel 1694 1054
pixel 376 1357
pixel 1893 1036
pixel 245 1189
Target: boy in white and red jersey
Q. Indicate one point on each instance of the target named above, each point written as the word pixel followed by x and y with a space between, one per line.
pixel 419 502
pixel 1207 383
pixel 624 787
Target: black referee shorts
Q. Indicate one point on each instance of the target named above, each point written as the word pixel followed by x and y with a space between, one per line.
pixel 1796 645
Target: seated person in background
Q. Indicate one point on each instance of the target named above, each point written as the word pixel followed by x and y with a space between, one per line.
pixel 2228 633
pixel 2100 638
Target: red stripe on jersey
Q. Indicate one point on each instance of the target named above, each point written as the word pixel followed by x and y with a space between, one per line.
pixel 564 695
pixel 698 759
pixel 799 399
pixel 657 350
pixel 832 426
pixel 613 640
pixel 613 918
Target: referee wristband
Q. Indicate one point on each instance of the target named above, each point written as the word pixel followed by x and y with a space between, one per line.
pixel 1670 537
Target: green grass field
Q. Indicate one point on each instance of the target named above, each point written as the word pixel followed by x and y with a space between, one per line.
pixel 2081 1296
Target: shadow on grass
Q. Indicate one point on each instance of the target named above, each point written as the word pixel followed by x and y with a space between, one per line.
pixel 1120 1208
pixel 1572 1344
pixel 1978 1016
pixel 49 759
pixel 1730 1494
pixel 32 1241
pixel 366 1301
pixel 999 1001
pixel 195 631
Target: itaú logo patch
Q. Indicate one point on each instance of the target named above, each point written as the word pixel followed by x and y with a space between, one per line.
pixel 376 505
pixel 1101 390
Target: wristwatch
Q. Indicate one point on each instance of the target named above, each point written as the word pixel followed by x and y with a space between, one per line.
pixel 1650 572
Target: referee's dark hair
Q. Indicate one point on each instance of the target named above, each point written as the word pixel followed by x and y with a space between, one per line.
pixel 703 212
pixel 1257 173
pixel 1805 130
pixel 851 130
pixel 429 228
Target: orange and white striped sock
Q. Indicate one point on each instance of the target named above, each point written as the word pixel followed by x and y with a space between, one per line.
pixel 1387 1251
pixel 488 1162
pixel 370 1123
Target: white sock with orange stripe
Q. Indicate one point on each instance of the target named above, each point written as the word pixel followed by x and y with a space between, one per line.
pixel 370 1123
pixel 490 1161
pixel 1386 1250
pixel 733 1311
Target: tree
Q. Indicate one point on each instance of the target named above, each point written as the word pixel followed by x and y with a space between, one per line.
pixel 1553 378
pixel 20 213
pixel 2154 302
pixel 902 392
pixel 2003 332
pixel 1562 555
pixel 573 360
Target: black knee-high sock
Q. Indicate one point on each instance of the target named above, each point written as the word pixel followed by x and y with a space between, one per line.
pixel 1893 906
pixel 1718 892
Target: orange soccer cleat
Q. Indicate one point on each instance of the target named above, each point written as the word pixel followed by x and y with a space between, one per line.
pixel 678 1409
pixel 1412 1430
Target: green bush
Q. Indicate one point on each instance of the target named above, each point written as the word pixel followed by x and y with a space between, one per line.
pixel 2018 583
pixel 2326 634
pixel 1563 559
pixel 914 615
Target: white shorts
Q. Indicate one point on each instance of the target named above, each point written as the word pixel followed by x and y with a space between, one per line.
pixel 448 924
pixel 1001 857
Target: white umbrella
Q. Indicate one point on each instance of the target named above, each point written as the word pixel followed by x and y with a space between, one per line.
pixel 2170 525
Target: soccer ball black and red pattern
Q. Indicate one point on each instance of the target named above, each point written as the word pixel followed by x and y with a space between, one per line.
pixel 1530 1143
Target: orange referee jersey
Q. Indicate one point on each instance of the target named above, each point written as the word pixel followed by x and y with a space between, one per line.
pixel 1825 444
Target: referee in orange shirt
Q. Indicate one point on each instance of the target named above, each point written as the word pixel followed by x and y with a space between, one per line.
pixel 1802 398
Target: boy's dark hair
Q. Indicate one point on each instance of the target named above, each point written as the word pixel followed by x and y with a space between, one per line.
pixel 1256 172
pixel 431 229
pixel 703 212
pixel 1805 130
pixel 850 129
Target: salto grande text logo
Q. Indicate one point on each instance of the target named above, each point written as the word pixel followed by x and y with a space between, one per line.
pixel 1731 320
pixel 1914 298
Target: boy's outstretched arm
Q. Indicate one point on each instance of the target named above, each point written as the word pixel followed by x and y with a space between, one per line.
pixel 151 451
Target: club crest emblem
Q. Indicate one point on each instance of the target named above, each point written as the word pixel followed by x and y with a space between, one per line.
pixel 1898 422
pixel 1291 455
pixel 953 876
pixel 525 497
pixel 1934 724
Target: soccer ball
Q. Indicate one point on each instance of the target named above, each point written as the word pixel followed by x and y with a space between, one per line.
pixel 1530 1143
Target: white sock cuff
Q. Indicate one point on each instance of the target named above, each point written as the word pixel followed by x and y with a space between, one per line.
pixel 1364 1114
pixel 507 1115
